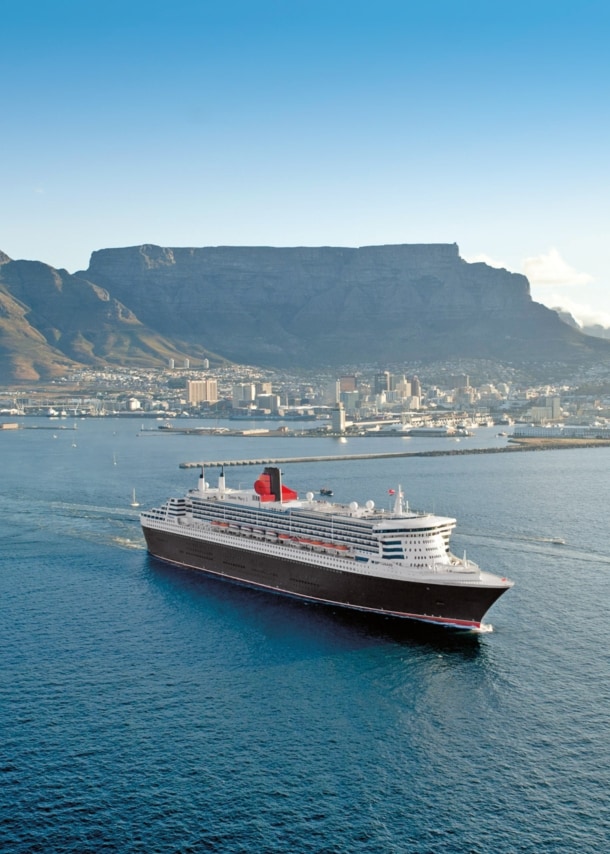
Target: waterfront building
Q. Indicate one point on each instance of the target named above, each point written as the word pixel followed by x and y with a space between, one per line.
pixel 243 395
pixel 548 410
pixel 202 391
pixel 270 402
pixel 338 418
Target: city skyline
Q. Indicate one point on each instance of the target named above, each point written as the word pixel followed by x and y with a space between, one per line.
pixel 345 124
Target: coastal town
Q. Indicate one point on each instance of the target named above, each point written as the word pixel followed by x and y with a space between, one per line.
pixel 363 401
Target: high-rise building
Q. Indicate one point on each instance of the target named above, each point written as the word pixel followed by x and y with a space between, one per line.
pixel 332 392
pixel 383 381
pixel 243 395
pixel 338 418
pixel 202 391
pixel 347 383
pixel 212 390
pixel 350 400
pixel 403 388
pixel 268 401
pixel 554 406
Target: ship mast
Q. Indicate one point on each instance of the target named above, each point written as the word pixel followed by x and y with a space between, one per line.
pixel 398 507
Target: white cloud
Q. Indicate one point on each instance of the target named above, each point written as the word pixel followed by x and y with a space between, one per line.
pixel 583 313
pixel 551 269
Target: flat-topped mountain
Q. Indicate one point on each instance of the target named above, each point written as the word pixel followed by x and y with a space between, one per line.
pixel 280 307
pixel 326 305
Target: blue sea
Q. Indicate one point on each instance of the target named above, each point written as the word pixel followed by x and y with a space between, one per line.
pixel 145 708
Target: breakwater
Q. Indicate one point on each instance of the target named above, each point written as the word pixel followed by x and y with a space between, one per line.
pixel 543 445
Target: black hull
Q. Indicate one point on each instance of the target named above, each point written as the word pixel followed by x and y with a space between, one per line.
pixel 457 605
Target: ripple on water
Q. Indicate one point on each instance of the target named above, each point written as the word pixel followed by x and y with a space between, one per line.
pixel 149 709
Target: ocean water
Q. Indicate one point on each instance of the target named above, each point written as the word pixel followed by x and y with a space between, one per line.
pixel 149 709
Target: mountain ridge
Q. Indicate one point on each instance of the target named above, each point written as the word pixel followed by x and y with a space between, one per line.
pixel 52 322
pixel 302 307
pixel 308 306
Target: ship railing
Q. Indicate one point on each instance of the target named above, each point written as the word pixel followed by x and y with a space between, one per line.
pixel 455 564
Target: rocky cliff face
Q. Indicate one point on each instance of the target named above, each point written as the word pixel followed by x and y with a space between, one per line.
pixel 300 307
pixel 310 306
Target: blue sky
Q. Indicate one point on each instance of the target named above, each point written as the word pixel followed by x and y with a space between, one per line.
pixel 299 122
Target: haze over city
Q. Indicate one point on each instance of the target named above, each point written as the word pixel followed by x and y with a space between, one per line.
pixel 307 123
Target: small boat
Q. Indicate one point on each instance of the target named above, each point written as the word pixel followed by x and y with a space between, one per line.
pixel 134 503
pixel 326 491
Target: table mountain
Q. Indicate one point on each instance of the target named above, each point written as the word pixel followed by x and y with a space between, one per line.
pixel 327 305
pixel 281 307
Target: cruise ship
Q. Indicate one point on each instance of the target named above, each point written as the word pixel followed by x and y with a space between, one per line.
pixel 395 563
